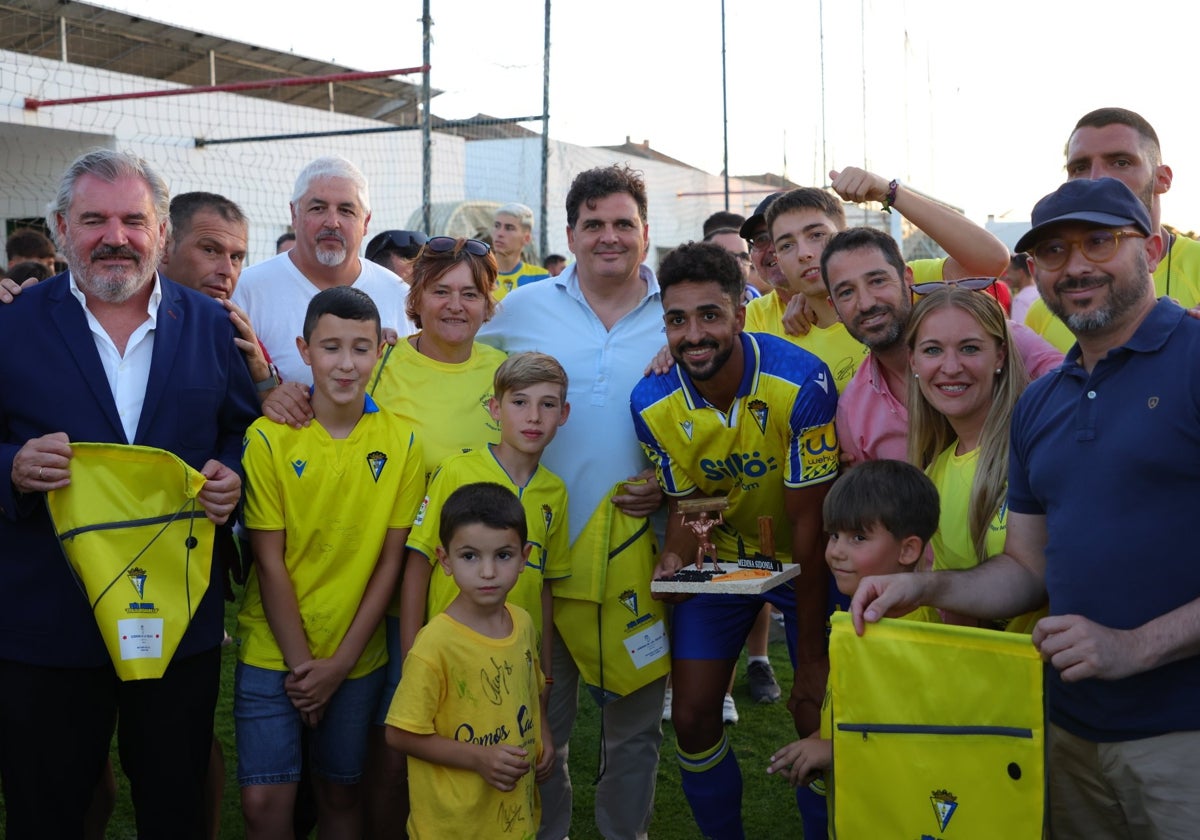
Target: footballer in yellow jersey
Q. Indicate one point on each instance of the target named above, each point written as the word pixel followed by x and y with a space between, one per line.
pixel 519 276
pixel 749 417
pixel 544 498
pixel 833 345
pixel 335 500
pixel 447 404
pixel 779 433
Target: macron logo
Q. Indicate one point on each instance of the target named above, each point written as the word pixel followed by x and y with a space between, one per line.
pixel 299 466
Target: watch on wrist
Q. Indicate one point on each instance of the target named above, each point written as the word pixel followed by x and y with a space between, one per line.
pixel 267 384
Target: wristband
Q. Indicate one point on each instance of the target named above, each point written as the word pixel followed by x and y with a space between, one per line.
pixel 267 384
pixel 890 199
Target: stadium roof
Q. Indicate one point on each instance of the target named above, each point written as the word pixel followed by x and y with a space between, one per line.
pixel 126 43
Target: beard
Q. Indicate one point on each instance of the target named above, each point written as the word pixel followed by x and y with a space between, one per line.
pixel 111 284
pixel 892 335
pixel 329 256
pixel 707 370
pixel 1123 296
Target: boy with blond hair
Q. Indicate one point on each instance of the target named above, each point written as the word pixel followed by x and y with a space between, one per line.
pixel 529 403
pixel 512 231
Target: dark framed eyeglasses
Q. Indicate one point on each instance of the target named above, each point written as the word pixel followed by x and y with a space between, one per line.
pixel 1097 246
pixel 760 242
pixel 442 244
pixel 407 242
pixel 975 284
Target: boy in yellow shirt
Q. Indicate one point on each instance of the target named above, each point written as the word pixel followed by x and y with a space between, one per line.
pixel 879 517
pixel 328 508
pixel 529 405
pixel 470 709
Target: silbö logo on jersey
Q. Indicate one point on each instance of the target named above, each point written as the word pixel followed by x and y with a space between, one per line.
pixel 741 467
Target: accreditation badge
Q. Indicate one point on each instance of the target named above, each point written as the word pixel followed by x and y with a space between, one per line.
pixel 140 545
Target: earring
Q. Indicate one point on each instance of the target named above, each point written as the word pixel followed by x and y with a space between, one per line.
pixel 999 371
pixel 916 375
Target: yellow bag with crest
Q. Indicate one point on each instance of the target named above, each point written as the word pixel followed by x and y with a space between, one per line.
pixel 616 632
pixel 141 546
pixel 938 733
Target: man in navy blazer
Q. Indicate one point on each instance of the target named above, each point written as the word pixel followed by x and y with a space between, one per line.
pixel 108 352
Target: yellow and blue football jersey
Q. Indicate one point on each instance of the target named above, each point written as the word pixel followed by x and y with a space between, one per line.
pixel 779 433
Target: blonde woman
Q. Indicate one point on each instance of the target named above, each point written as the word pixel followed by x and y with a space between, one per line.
pixel 966 378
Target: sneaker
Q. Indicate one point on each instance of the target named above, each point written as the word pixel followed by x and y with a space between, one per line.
pixel 666 715
pixel 763 686
pixel 729 710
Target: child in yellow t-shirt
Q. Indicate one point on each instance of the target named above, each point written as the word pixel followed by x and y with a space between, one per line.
pixel 470 708
pixel 879 516
pixel 328 509
pixel 529 405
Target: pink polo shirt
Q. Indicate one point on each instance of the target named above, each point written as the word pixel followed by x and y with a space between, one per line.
pixel 872 424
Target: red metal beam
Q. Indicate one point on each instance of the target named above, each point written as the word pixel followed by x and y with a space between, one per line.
pixel 32 104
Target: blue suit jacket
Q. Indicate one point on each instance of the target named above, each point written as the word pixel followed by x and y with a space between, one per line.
pixel 199 401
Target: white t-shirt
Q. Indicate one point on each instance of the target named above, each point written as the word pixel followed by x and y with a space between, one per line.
pixel 275 295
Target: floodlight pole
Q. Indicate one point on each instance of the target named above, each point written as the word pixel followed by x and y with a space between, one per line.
pixel 724 106
pixel 544 220
pixel 426 125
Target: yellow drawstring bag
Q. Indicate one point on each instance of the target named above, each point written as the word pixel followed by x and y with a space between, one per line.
pixel 141 546
pixel 938 733
pixel 616 632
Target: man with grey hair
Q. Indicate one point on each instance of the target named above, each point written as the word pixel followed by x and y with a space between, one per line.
pixel 108 352
pixel 330 209
pixel 512 231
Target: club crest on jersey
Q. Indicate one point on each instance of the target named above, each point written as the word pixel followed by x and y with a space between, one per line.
pixel 376 461
pixel 547 515
pixel 687 427
pixel 299 465
pixel 944 804
pixel 758 410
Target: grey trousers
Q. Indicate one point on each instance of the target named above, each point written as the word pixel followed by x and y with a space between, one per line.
pixel 632 734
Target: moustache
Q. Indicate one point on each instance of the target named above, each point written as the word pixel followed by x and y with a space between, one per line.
pixel 699 345
pixel 327 233
pixel 871 313
pixel 1071 284
pixel 108 252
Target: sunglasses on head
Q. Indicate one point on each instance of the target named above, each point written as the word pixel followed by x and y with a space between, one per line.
pixel 442 244
pixel 975 284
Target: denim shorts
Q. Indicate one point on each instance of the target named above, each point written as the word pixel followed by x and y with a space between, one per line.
pixel 391 629
pixel 268 728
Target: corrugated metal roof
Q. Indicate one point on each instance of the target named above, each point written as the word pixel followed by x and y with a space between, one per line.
pixel 121 42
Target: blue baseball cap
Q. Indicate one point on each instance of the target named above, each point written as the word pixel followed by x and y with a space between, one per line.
pixel 1105 201
pixel 760 215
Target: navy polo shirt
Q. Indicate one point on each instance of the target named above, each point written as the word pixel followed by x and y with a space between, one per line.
pixel 1112 460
